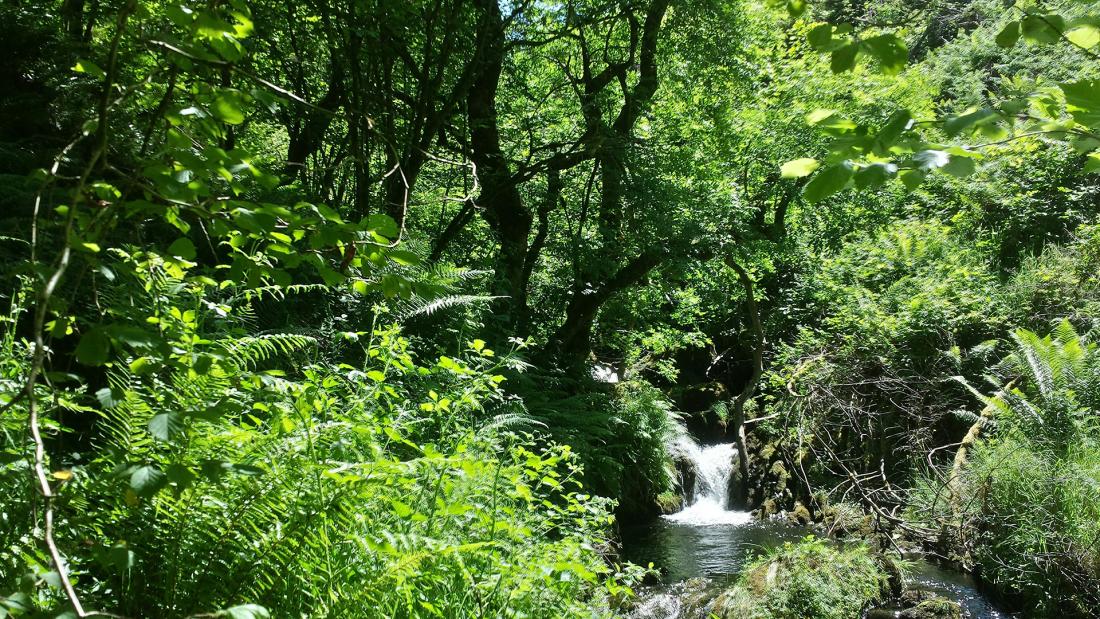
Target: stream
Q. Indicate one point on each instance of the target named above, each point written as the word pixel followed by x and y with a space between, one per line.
pixel 701 549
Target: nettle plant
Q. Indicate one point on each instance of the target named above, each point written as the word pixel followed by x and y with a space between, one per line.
pixel 907 148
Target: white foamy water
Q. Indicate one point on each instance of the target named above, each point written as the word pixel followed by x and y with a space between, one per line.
pixel 713 467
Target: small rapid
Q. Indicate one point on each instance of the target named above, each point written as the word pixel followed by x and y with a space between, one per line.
pixel 713 466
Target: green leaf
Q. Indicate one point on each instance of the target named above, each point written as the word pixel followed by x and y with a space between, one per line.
pixel 182 248
pixel 799 168
pixel 180 475
pixel 406 258
pixel 874 175
pixel 831 121
pixel 94 347
pixel 1092 163
pixel 827 182
pixel 375 375
pixel 891 131
pixel 796 7
pixel 821 36
pixel 228 107
pixel 166 426
pixel 90 68
pixel 1042 28
pixel 401 509
pixel 912 178
pixel 1083 101
pixel 383 224
pixel 889 51
pixel 844 59
pixel 1009 35
pixel 954 125
pixel 960 166
pixel 147 480
pixel 1085 36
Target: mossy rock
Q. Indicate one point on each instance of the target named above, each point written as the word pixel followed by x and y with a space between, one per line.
pixel 800 514
pixel 809 580
pixel 669 502
pixel 937 608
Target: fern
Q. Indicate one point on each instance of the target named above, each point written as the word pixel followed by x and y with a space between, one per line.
pixel 419 306
pixel 249 352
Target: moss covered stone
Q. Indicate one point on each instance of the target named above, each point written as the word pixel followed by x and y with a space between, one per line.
pixel 812 579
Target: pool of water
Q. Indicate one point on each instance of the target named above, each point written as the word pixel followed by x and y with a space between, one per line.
pixel 715 551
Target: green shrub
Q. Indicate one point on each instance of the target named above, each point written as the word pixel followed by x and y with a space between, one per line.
pixel 230 468
pixel 1062 282
pixel 620 433
pixel 1027 504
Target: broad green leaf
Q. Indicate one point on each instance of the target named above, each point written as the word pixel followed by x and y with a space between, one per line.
pixel 889 51
pixel 166 426
pixel 1083 100
pixel 1009 35
pixel 94 347
pixel 827 182
pixel 912 178
pixel 228 107
pixel 383 224
pixel 821 36
pixel 874 175
pixel 147 480
pixel 401 509
pixel 960 166
pixel 1092 163
pixel 182 248
pixel 954 125
pixel 90 68
pixel 1038 28
pixel 831 121
pixel 1084 36
pixel 180 475
pixel 844 59
pixel 893 129
pixel 406 258
pixel 799 168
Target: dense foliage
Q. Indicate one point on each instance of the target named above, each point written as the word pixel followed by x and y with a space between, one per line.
pixel 392 308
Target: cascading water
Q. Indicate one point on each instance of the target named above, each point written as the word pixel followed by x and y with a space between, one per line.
pixel 713 466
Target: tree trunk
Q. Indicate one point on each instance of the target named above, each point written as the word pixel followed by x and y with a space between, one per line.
pixel 738 413
pixel 573 340
pixel 313 124
pixel 502 206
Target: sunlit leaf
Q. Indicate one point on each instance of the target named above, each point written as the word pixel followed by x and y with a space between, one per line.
pixel 799 168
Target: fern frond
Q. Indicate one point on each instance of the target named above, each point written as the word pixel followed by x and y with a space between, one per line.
pixel 248 352
pixel 426 307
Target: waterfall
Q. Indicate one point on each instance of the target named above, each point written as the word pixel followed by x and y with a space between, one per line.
pixel 713 466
